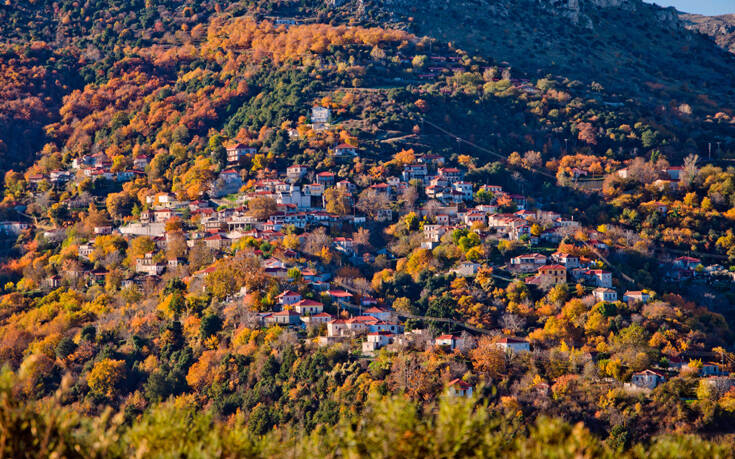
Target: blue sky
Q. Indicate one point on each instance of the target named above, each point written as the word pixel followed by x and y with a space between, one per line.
pixel 707 7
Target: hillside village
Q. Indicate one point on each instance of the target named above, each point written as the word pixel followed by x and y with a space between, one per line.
pixel 310 232
pixel 353 228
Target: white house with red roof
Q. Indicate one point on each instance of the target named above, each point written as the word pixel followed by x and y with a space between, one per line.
pixel 340 296
pixel 647 379
pixel 569 261
pixel 451 341
pixel 379 313
pixel 459 388
pixel 687 262
pixel 308 307
pixel 296 172
pixel 375 341
pixel 344 149
pixel 600 277
pixel 511 344
pixel 288 297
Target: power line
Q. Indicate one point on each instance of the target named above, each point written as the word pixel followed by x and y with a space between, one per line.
pixel 478 147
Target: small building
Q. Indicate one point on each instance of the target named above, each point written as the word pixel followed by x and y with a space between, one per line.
pixel 378 313
pixel 237 152
pixel 345 150
pixel 288 297
pixel 284 318
pixel 636 296
pixel 459 388
pixel 375 341
pixel 317 319
pixel 146 264
pixel 687 262
pixel 647 379
pixel 569 261
pixel 308 307
pixel 466 269
pixel 513 345
pixel 450 341
pixel 605 294
pixel 600 277
pixel 553 274
pixel 320 115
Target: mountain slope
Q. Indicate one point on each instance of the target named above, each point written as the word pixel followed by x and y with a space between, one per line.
pixel 631 48
pixel 720 28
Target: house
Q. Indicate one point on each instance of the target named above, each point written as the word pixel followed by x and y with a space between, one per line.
pixel 375 341
pixel 320 115
pixel 466 269
pixel 647 379
pixel 378 313
pixel 308 307
pixel 344 149
pixel 451 174
pixel 513 345
pixel 600 277
pixel 474 216
pixel 450 341
pixel 711 369
pixel 674 172
pixel 51 282
pixel 296 172
pixel 237 152
pixel 288 297
pixel 605 294
pixel 326 179
pixel 414 172
pixel 140 162
pixel 465 190
pixel 284 318
pixel 216 242
pixel 85 250
pixel 317 319
pixel 146 264
pixel 340 296
pixel 687 262
pixel 459 388
pixel 531 260
pixel 569 261
pixel 101 230
pixel 636 296
pixel 552 274
pixel 344 244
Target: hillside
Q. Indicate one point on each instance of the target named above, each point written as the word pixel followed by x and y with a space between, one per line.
pixel 626 45
pixel 720 28
pixel 365 228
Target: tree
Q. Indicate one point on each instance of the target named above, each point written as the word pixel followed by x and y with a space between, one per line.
pixel 139 247
pixel 210 325
pixel 106 376
pixel 487 358
pixel 337 201
pixel 262 207
pixel 371 201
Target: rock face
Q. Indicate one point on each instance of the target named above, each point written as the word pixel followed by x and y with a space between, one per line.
pixel 720 28
pixel 576 10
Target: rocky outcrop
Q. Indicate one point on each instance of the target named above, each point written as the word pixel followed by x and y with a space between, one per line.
pixel 720 28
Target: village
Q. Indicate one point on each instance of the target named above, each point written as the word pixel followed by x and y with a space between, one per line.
pixel 298 202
